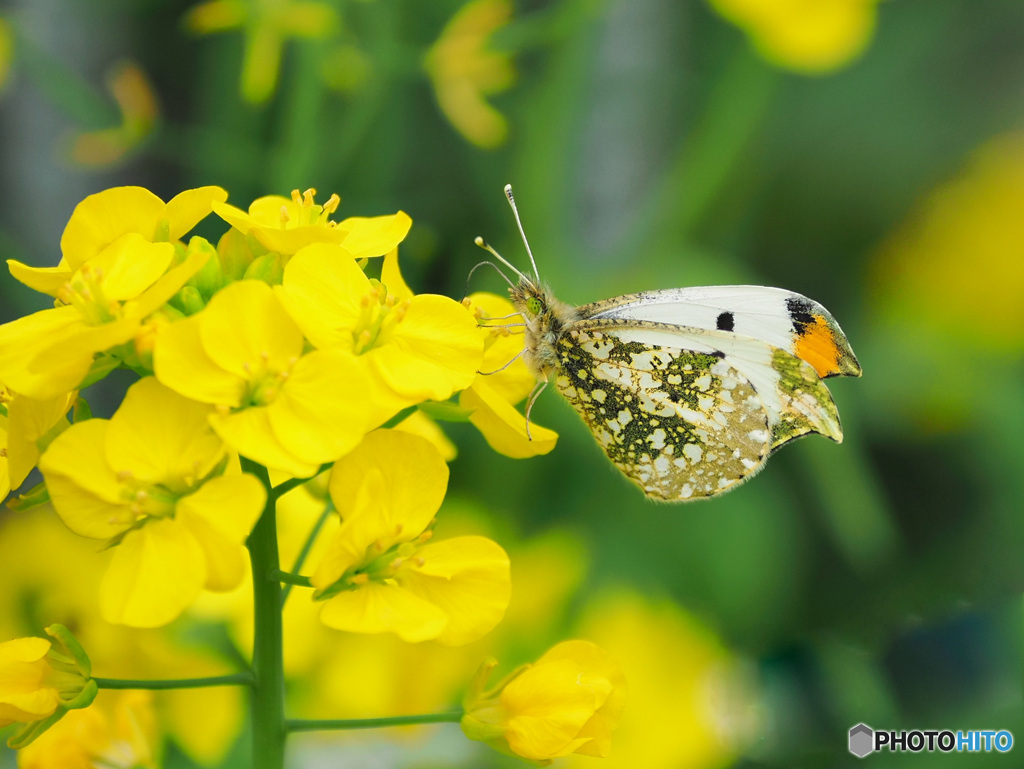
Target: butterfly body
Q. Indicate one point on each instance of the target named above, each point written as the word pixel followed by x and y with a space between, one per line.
pixel 688 391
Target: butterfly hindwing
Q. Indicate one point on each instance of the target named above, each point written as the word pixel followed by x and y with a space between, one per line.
pixel 681 423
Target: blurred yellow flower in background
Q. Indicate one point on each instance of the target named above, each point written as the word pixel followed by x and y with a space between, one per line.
pixel 118 731
pixel 808 36
pixel 948 289
pixel 465 70
pixel 6 51
pixel 691 706
pixel 267 25
pixel 957 265
pixel 139 109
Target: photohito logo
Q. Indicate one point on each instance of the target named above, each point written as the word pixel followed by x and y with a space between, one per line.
pixel 864 740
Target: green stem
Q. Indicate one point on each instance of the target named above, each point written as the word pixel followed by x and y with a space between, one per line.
pixel 338 724
pixel 267 704
pixel 233 679
pixel 291 579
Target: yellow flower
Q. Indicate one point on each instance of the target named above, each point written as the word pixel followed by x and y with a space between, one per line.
pixel 285 225
pixel 139 111
pixel 412 349
pixel 117 732
pixel 464 71
pixel 150 481
pixel 809 36
pixel 505 381
pixel 283 409
pixel 569 701
pixel 49 353
pixel 101 219
pixel 382 574
pixel 42 680
pixel 267 24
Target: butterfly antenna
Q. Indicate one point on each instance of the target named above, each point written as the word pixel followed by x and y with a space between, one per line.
pixel 515 212
pixel 497 269
pixel 487 247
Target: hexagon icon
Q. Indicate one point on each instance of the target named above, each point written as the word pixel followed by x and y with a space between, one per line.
pixel 862 740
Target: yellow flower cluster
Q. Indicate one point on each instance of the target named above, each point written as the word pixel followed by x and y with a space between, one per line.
pixel 280 351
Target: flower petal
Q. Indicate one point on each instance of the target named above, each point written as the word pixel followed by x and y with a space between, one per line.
pixel 549 708
pixel 391 276
pixel 320 413
pixel 47 280
pixel 413 474
pixel 82 486
pixel 28 422
pixel 250 433
pixel 156 572
pixel 130 265
pixel 244 330
pixel 186 209
pixel 322 293
pixel 380 608
pixel 181 363
pixel 502 426
pixel 161 437
pixel 102 218
pixel 375 235
pixel 434 351
pixel 230 504
pixel 468 579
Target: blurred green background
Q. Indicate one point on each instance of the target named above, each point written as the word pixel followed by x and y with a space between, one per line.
pixel 872 158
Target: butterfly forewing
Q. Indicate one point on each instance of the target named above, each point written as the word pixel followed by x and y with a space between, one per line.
pixel 681 423
pixel 781 318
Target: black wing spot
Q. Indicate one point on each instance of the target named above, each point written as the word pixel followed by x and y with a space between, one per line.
pixel 801 313
pixel 717 354
pixel 726 322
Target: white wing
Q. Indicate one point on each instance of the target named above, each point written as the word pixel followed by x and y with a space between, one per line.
pixel 783 319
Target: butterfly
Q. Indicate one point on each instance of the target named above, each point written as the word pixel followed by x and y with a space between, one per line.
pixel 687 390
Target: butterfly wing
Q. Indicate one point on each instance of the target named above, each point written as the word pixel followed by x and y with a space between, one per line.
pixel 687 412
pixel 783 319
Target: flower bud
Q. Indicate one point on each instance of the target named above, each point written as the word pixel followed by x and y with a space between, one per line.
pixel 210 278
pixel 42 680
pixel 569 701
pixel 267 268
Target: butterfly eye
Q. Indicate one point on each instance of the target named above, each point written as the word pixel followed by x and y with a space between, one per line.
pixel 533 305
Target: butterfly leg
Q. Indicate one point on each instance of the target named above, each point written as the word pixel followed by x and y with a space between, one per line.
pixel 537 390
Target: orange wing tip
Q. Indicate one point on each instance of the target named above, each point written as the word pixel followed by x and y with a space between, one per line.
pixel 822 344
